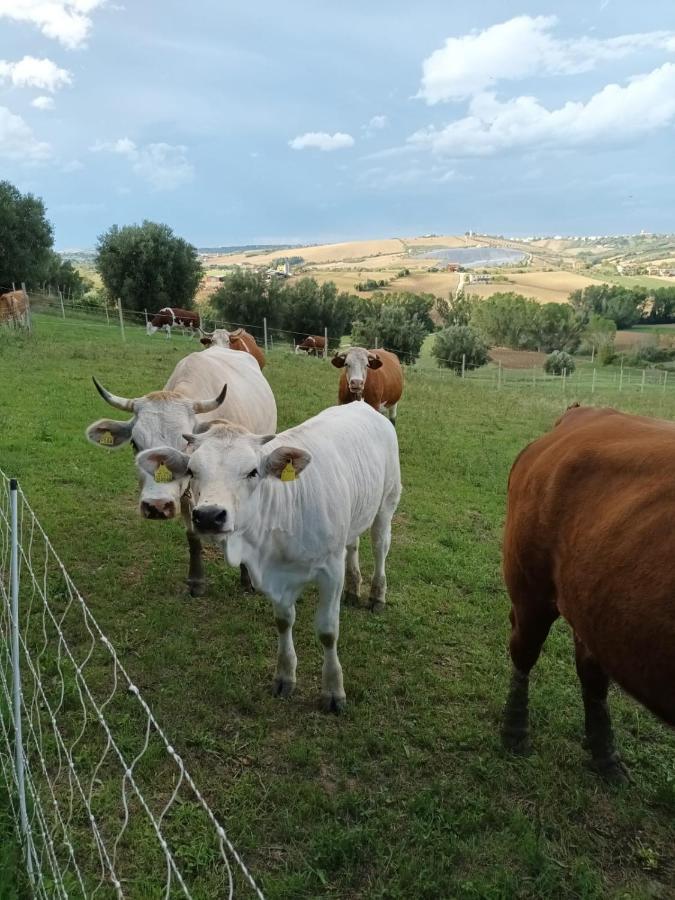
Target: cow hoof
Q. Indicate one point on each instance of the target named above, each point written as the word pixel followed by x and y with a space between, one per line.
pixel 516 741
pixel 281 687
pixel 196 588
pixel 611 769
pixel 376 606
pixel 332 703
pixel 351 599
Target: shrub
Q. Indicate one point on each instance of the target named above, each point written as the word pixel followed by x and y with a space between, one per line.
pixel 558 362
pixel 456 341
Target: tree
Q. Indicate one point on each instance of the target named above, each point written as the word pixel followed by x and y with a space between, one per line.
pixel 62 275
pixel 459 341
pixel 309 307
pixel 558 362
pixel 456 310
pixel 558 328
pixel 148 267
pixel 507 320
pixel 391 326
pixel 600 333
pixel 246 298
pixel 623 305
pixel 25 238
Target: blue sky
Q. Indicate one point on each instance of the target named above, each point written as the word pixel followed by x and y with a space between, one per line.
pixel 261 122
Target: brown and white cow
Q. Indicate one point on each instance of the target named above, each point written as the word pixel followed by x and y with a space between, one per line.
pixel 14 308
pixel 375 376
pixel 589 537
pixel 235 340
pixel 192 397
pixel 170 316
pixel 313 345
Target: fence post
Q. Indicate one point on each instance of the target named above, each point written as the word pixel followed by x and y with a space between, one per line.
pixel 107 316
pixel 29 319
pixel 146 319
pixel 499 376
pixel 642 386
pixel 621 376
pixel 534 377
pixel 63 311
pixel 593 382
pixel 325 343
pixel 13 286
pixel 665 380
pixel 564 379
pixel 265 332
pixel 119 309
pixel 463 364
pixel 593 353
pixel 16 673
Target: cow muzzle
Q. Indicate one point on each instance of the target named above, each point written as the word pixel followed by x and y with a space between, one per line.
pixel 211 519
pixel 356 386
pixel 158 509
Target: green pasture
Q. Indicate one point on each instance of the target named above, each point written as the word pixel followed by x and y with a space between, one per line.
pixel 408 794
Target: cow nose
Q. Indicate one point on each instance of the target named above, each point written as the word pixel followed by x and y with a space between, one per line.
pixel 158 509
pixel 356 384
pixel 209 518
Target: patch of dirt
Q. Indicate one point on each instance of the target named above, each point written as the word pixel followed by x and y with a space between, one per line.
pixel 517 359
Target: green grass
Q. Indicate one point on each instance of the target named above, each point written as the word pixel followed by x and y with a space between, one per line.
pixel 409 794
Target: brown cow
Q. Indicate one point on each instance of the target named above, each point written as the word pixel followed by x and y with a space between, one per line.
pixel 589 537
pixel 375 376
pixel 170 316
pixel 14 308
pixel 313 345
pixel 234 340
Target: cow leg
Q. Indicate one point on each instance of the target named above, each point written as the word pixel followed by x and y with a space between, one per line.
pixel 530 626
pixel 598 724
pixel 327 625
pixel 380 535
pixel 392 414
pixel 287 661
pixel 352 574
pixel 245 580
pixel 196 581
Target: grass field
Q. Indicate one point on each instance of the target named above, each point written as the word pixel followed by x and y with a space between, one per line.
pixel 408 794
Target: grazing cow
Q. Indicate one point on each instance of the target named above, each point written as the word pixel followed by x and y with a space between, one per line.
pixel 192 397
pixel 375 376
pixel 170 316
pixel 344 469
pixel 236 340
pixel 14 308
pixel 313 345
pixel 589 536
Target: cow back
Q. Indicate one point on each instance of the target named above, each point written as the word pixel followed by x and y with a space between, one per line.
pixel 244 342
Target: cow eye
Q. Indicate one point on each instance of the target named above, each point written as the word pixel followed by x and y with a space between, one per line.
pixel 252 474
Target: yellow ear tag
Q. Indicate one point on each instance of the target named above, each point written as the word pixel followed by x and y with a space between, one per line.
pixel 107 439
pixel 288 472
pixel 163 474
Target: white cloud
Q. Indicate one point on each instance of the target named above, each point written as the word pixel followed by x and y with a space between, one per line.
pixel 67 21
pixel 614 115
pixel 378 123
pixel 164 166
pixel 321 140
pixel 520 48
pixel 31 72
pixel 43 103
pixel 17 141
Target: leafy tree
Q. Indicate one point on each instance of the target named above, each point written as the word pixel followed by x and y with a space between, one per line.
pixel 456 341
pixel 148 267
pixel 659 306
pixel 558 362
pixel 26 238
pixel 62 275
pixel 308 307
pixel 246 298
pixel 612 301
pixel 456 310
pixel 507 320
pixel 558 327
pixel 391 326
pixel 600 332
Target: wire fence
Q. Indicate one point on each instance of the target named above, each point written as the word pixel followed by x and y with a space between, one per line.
pixel 104 804
pixel 587 380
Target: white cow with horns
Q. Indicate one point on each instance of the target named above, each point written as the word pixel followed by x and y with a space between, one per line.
pixel 291 508
pixel 215 383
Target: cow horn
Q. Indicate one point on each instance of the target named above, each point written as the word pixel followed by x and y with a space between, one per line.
pixel 209 405
pixel 117 402
pixel 205 333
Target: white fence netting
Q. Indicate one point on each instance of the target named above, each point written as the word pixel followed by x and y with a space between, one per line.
pixel 112 810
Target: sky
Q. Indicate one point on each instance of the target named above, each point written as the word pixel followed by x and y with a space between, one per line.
pixel 310 122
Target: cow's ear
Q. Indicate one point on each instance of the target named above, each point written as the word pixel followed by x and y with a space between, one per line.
pixel 206 341
pixel 109 434
pixel 374 361
pixel 163 463
pixel 338 360
pixel 285 463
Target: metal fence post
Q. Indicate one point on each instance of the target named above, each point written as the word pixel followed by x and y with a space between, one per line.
pixel 119 309
pixel 16 674
pixel 265 332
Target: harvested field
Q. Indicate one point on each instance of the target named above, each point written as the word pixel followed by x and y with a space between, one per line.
pixel 546 287
pixel 517 359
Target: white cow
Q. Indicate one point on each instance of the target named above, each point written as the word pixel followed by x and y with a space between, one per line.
pixel 290 526
pixel 214 383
